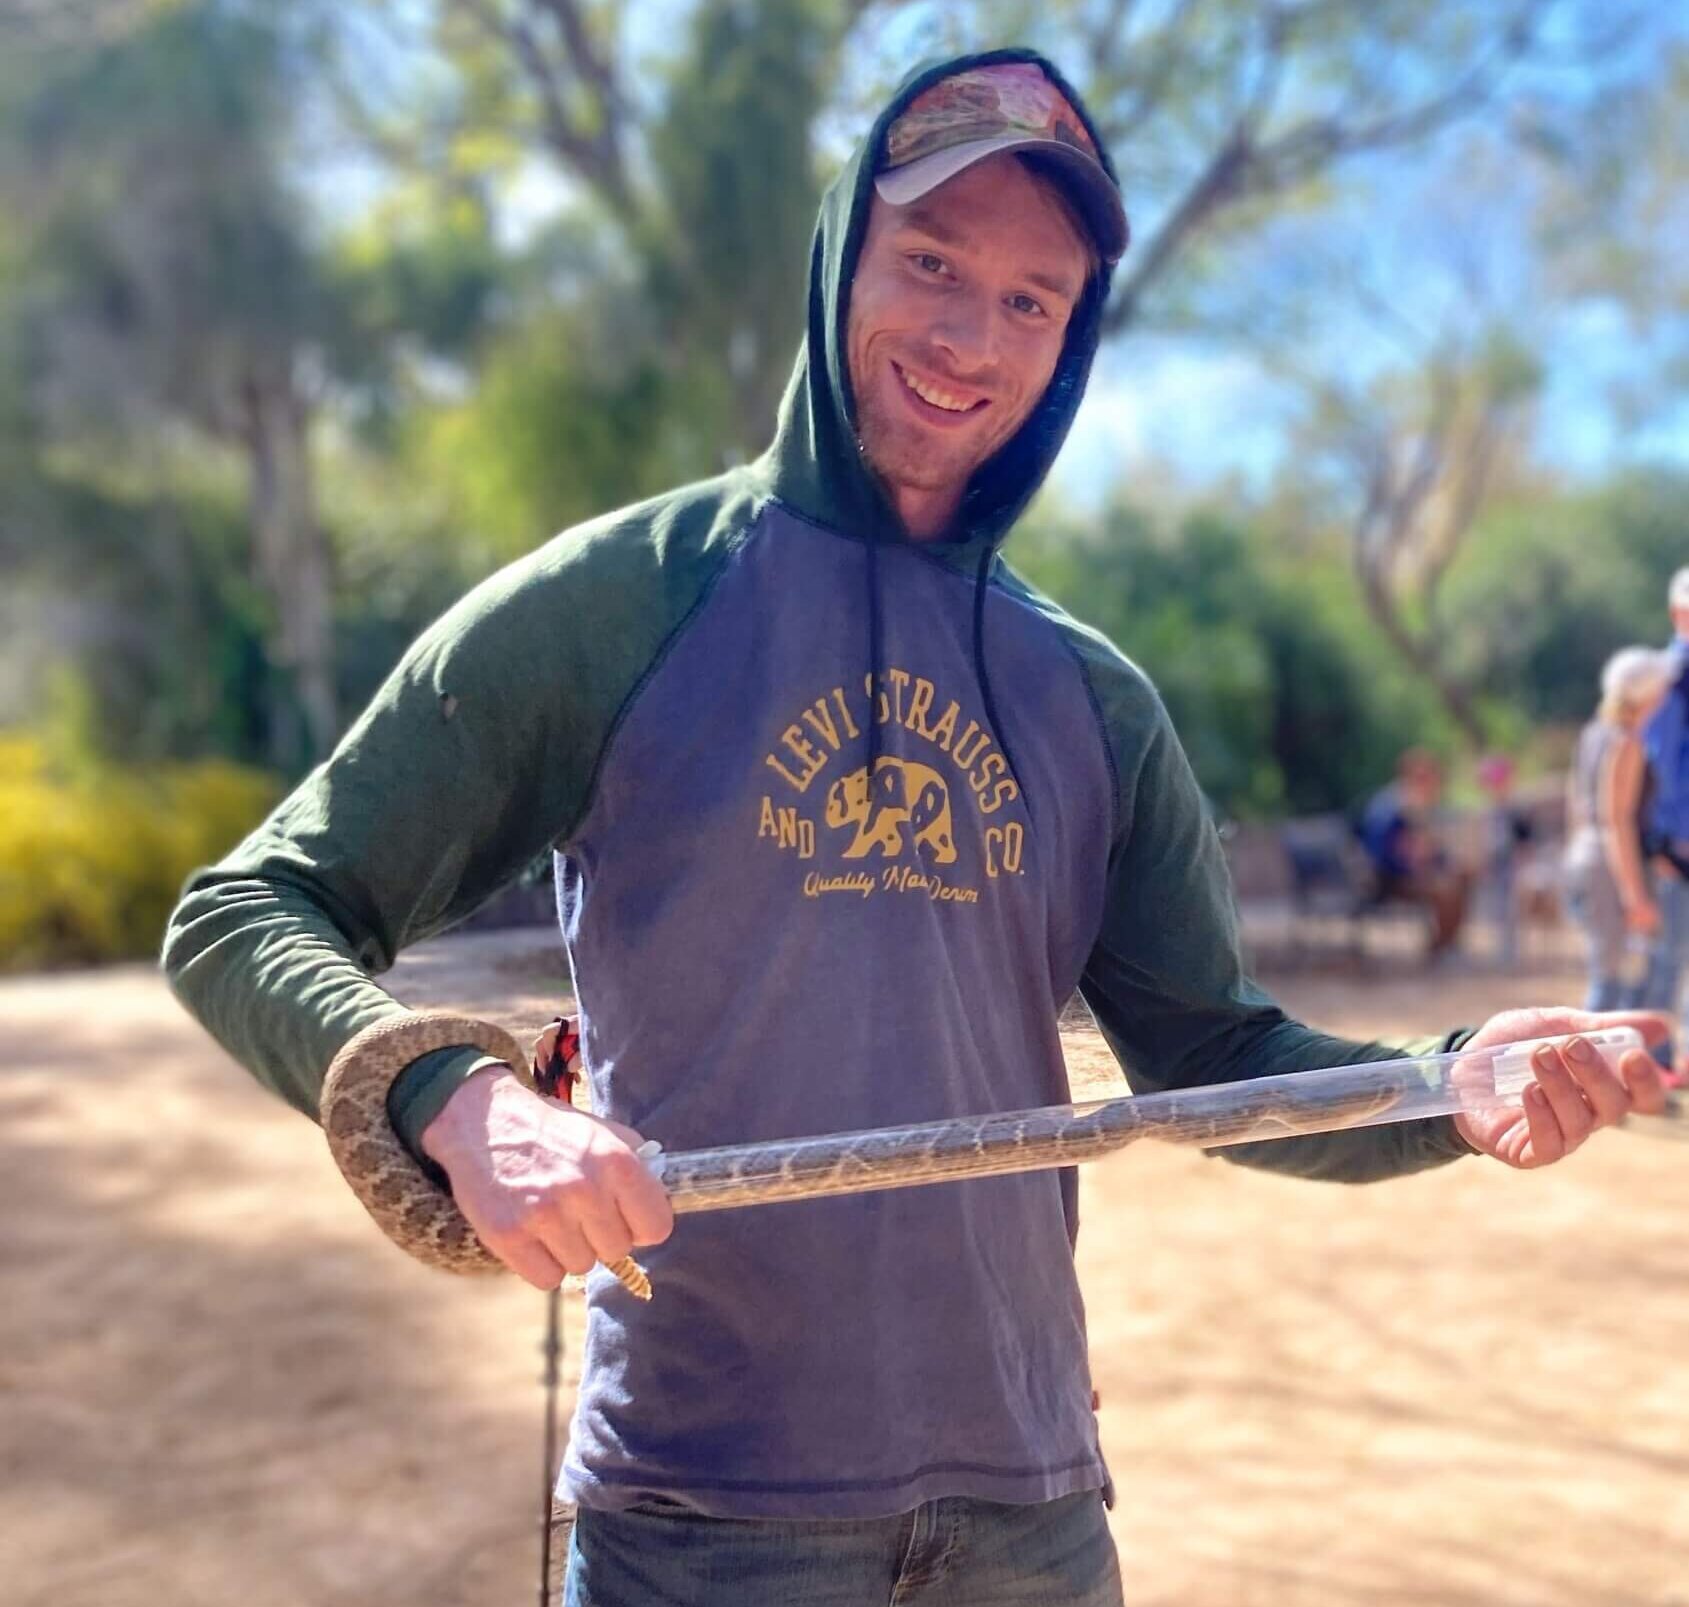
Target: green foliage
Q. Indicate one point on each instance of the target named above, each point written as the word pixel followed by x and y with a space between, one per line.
pixel 569 420
pixel 729 241
pixel 414 273
pixel 1283 692
pixel 92 860
pixel 1284 700
pixel 169 291
pixel 146 596
pixel 1551 587
pixel 164 247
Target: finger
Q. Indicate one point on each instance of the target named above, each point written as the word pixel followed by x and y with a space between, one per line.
pixel 646 1208
pixel 641 1198
pixel 1607 1093
pixel 1572 1115
pixel 565 1242
pixel 530 1261
pixel 600 1223
pixel 1641 1074
pixel 1547 1143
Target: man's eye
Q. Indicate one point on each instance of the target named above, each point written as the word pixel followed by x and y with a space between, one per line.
pixel 927 262
pixel 1025 303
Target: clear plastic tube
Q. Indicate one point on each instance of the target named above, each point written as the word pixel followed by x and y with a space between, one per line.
pixel 1326 1100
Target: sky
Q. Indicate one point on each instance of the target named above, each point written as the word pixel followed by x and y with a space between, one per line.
pixel 1182 408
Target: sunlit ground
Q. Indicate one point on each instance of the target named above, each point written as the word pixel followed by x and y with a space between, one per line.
pixel 220 1384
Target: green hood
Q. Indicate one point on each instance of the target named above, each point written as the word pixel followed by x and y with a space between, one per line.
pixel 814 463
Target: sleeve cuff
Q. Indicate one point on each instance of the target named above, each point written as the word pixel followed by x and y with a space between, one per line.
pixel 420 1092
pixel 1458 1039
pixel 1441 1133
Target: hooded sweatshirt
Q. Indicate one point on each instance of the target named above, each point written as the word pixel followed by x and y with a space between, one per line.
pixel 842 821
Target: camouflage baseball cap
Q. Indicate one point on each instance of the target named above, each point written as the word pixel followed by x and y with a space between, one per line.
pixel 1009 106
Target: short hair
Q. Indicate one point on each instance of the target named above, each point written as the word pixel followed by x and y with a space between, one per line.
pixel 1632 676
pixel 1677 595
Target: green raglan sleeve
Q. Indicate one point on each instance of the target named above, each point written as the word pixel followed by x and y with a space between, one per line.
pixel 476 755
pixel 1165 978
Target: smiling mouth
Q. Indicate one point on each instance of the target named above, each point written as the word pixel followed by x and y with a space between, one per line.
pixel 937 396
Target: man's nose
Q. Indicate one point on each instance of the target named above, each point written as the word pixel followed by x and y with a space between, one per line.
pixel 967 332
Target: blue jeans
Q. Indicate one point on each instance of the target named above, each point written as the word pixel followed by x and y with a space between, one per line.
pixel 954 1552
pixel 1592 901
pixel 1663 987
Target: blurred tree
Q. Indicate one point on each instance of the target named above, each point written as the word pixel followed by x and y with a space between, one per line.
pixel 171 283
pixel 1409 436
pixel 703 170
pixel 1611 219
pixel 728 239
pixel 1558 582
pixel 568 419
pixel 37 25
pixel 1225 114
pixel 1413 455
pixel 421 282
pixel 1283 697
pixel 138 596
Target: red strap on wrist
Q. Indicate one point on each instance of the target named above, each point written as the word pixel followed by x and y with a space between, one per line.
pixel 557 1076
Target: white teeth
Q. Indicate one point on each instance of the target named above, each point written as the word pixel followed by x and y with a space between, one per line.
pixel 930 393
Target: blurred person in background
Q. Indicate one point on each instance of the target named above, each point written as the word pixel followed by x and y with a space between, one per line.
pixel 1607 795
pixel 1665 834
pixel 1410 862
pixel 1507 839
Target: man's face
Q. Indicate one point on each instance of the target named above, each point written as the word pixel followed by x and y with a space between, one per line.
pixel 1422 786
pixel 958 311
pixel 1680 621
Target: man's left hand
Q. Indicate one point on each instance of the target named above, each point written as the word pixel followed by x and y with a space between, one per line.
pixel 1574 1093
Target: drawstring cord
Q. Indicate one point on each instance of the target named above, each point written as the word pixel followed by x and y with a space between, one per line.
pixel 876 652
pixel 982 678
pixel 982 584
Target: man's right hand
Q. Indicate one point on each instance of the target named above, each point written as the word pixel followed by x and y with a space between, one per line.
pixel 547 1188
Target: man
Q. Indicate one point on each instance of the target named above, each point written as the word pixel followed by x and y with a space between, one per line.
pixel 1409 865
pixel 1666 828
pixel 844 814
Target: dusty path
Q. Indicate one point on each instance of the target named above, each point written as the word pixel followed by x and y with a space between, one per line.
pixel 218 1384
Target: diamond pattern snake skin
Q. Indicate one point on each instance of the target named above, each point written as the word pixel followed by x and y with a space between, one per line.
pixel 422 1219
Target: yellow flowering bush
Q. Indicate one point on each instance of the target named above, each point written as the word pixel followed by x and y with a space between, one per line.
pixel 92 860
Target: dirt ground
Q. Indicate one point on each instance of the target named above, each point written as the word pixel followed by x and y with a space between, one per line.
pixel 219 1384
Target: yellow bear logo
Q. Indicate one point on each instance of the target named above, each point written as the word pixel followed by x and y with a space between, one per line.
pixel 903 794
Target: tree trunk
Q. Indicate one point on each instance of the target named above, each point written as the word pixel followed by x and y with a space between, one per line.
pixel 1421 656
pixel 291 561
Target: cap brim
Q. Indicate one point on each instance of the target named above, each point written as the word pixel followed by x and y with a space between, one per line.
pixel 1092 190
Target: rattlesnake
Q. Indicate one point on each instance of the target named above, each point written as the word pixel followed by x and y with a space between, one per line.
pixel 423 1220
pixel 409 1207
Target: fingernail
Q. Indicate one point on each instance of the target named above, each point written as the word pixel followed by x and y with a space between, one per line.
pixel 1581 1050
pixel 1543 1059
